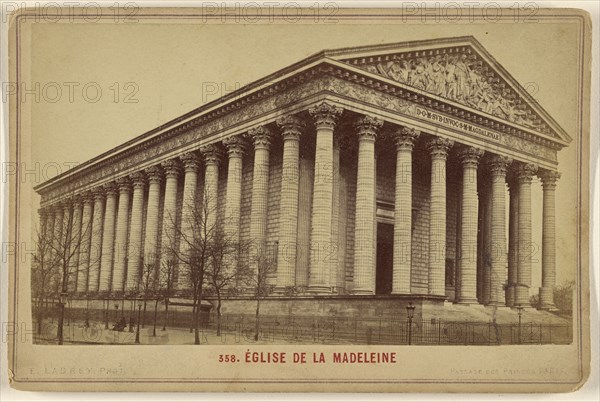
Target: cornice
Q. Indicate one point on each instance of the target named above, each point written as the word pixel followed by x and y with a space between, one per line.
pixel 320 68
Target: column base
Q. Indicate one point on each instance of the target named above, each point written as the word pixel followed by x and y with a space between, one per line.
pixel 363 292
pixel 283 290
pixel 467 301
pixel 401 292
pixel 319 289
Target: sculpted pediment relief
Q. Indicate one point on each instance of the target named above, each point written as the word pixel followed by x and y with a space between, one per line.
pixel 459 74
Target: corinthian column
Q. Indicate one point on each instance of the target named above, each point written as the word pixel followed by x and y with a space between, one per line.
pixel 75 244
pixel 325 116
pixel 172 169
pixel 108 238
pixel 118 279
pixel 364 229
pixel 96 241
pixel 513 241
pixel 154 175
pixel 438 149
pixel 549 179
pixel 467 289
pixel 84 248
pixel 67 245
pixel 233 204
pixel 57 239
pixel 525 174
pixel 260 186
pixel 212 159
pixel 498 165
pixel 291 130
pixel 191 164
pixel 134 251
pixel 405 139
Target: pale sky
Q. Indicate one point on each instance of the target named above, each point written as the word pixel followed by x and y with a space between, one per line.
pixel 173 65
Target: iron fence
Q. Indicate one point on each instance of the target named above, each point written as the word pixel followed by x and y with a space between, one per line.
pixel 380 330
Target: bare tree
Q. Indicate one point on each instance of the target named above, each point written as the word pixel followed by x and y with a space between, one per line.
pixel 264 266
pixel 60 248
pixel 196 233
pixel 44 273
pixel 225 268
pixel 148 282
pixel 166 285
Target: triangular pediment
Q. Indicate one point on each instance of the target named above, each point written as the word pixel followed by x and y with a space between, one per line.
pixel 459 70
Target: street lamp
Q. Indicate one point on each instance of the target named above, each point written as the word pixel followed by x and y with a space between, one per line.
pixel 131 312
pixel 410 312
pixel 87 311
pixel 137 333
pixel 520 312
pixel 116 312
pixel 62 300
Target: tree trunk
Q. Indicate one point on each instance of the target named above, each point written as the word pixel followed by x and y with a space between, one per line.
pixel 40 318
pixel 166 320
pixel 257 318
pixel 144 315
pixel 155 313
pixel 61 321
pixel 219 316
pixel 198 316
pixel 195 301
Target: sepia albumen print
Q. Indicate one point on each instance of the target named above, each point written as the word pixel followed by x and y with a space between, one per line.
pixel 346 202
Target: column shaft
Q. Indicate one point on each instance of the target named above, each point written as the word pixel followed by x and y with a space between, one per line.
pixel 84 248
pixel 513 243
pixel 438 148
pixel 291 130
pixel 325 116
pixel 134 249
pixel 212 158
pixel 191 163
pixel 467 289
pixel 525 245
pixel 401 276
pixel 118 279
pixel 549 179
pixel 96 241
pixel 76 245
pixel 154 175
pixel 108 239
pixel 260 187
pixel 364 230
pixel 168 244
pixel 498 165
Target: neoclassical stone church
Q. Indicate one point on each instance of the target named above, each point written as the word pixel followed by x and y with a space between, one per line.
pixel 374 174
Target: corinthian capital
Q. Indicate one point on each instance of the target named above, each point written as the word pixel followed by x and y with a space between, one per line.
pixel 154 174
pixel 191 161
pixel 439 147
pixel 88 198
pixel 172 168
pixel 525 172
pixel 138 179
pixel 549 178
pixel 469 156
pixel 325 115
pixel 291 127
pixel 405 138
pixel 261 136
pixel 498 165
pixel 211 154
pixel 235 146
pixel 110 189
pixel 367 127
pixel 124 184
